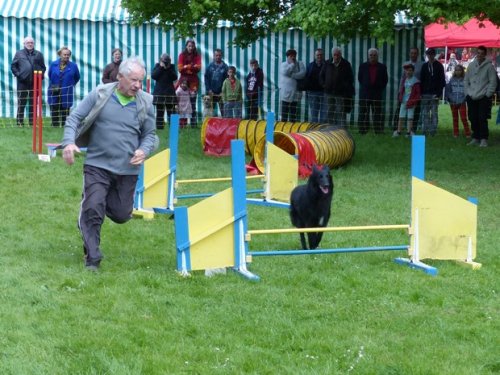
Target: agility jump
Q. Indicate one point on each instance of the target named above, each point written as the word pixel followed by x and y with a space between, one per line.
pixel 214 233
pixel 155 190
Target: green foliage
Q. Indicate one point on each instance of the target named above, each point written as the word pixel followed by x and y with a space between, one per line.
pixel 253 19
pixel 331 314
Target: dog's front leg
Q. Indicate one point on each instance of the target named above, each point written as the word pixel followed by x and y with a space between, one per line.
pixel 317 239
pixel 313 240
pixel 303 241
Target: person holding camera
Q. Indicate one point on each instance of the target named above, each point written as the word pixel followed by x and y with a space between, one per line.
pixel 63 76
pixel 164 97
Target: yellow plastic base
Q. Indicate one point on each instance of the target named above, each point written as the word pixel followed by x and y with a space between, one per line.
pixel 143 214
pixel 473 265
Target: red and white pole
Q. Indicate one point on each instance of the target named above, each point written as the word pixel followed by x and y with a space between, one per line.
pixel 37 113
pixel 40 112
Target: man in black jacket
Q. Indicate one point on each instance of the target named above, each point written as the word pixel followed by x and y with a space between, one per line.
pixel 315 95
pixel 25 62
pixel 337 79
pixel 432 82
pixel 373 78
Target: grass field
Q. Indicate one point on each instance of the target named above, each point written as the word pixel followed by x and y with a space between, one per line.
pixel 330 314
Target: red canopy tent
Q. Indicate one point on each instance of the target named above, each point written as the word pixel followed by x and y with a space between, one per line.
pixel 473 33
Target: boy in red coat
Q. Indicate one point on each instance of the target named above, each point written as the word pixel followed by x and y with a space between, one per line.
pixel 409 95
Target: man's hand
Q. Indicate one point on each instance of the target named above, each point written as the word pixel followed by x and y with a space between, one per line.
pixel 138 158
pixel 69 153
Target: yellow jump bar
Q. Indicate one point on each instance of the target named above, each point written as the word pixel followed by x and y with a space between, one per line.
pixel 216 179
pixel 329 229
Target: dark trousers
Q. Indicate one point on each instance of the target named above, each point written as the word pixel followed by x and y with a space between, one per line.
pixel 217 99
pixel 194 117
pixel 58 114
pixel 161 108
pixel 253 107
pixel 288 111
pixel 479 110
pixel 24 99
pixel 104 194
pixel 367 106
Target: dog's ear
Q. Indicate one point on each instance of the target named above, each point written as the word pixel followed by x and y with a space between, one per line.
pixel 318 168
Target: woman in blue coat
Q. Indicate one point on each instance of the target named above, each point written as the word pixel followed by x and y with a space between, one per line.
pixel 63 76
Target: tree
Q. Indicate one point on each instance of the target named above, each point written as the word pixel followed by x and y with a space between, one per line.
pixel 253 19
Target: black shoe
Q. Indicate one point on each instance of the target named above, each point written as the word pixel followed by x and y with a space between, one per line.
pixel 92 264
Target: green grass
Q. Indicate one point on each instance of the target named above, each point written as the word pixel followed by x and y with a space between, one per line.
pixel 330 314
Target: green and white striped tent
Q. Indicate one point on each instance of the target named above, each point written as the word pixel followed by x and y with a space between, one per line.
pixel 92 28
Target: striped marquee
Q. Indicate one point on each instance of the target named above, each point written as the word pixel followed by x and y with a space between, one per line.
pixel 91 29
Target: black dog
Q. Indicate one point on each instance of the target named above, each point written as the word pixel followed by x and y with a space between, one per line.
pixel 310 205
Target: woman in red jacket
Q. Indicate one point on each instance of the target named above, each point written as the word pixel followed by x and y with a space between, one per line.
pixel 189 65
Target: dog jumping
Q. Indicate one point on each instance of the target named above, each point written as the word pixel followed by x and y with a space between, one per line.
pixel 310 205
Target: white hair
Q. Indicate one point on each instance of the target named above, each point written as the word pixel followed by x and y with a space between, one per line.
pixel 28 38
pixel 334 49
pixel 127 65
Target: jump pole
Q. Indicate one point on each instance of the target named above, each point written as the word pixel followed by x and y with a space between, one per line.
pixel 172 182
pixel 266 201
pixel 241 249
pixel 414 229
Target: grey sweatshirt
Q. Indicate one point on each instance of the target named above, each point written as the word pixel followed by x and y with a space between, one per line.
pixel 116 133
pixel 480 80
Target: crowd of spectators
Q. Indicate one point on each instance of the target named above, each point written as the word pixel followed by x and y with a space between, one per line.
pixel 328 86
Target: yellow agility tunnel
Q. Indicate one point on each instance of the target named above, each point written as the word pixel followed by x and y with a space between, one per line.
pixel 313 143
pixel 250 131
pixel 332 146
pixel 253 132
